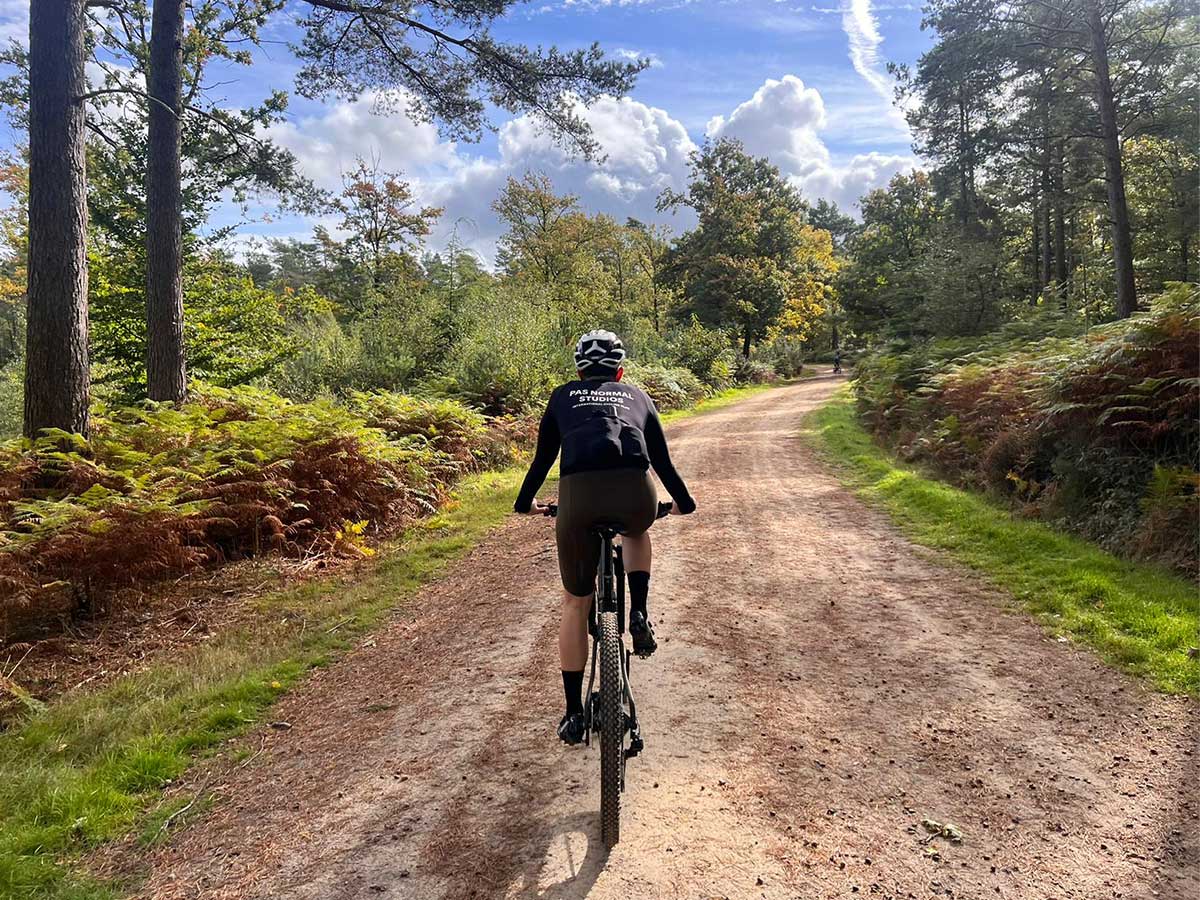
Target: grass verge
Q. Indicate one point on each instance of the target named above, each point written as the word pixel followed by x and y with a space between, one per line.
pixel 1139 617
pixel 88 768
pixel 91 767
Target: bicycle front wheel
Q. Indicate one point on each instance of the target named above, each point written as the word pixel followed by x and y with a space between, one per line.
pixel 612 730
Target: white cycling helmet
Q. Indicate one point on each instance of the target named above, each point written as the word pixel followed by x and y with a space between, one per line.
pixel 599 353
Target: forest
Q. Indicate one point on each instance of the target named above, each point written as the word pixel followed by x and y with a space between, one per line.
pixel 229 461
pixel 1019 309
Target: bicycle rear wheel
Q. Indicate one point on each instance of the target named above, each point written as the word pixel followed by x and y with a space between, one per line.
pixel 612 730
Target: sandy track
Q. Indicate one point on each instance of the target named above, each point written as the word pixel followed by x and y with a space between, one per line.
pixel 824 687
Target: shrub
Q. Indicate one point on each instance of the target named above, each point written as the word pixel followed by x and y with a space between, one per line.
pixel 668 388
pixel 12 398
pixel 514 352
pixel 705 352
pixel 160 489
pixel 786 356
pixel 1096 431
pixel 750 371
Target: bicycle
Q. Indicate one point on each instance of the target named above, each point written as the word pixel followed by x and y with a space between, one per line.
pixel 611 711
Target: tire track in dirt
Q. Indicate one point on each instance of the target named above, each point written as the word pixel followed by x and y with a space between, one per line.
pixel 823 686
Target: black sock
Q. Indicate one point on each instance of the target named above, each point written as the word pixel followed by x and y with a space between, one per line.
pixel 639 590
pixel 573 687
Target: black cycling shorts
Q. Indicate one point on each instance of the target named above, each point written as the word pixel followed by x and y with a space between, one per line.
pixel 585 499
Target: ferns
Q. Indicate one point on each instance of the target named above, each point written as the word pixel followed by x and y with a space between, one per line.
pixel 1077 429
pixel 160 489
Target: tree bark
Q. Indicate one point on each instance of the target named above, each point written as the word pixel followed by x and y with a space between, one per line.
pixel 1061 272
pixel 1038 284
pixel 1047 247
pixel 57 382
pixel 166 364
pixel 1118 209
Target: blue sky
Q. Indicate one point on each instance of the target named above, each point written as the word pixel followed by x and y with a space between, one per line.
pixel 803 83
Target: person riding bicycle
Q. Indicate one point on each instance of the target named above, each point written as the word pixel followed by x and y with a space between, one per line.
pixel 610 436
pixel 837 361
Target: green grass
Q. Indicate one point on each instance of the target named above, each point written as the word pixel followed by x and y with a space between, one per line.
pixel 92 767
pixel 719 400
pixel 1139 617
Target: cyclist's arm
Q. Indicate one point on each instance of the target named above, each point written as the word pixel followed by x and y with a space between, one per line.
pixel 543 458
pixel 660 459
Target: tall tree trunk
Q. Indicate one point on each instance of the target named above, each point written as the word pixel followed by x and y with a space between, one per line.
pixel 57 382
pixel 1184 257
pixel 746 343
pixel 1047 247
pixel 166 365
pixel 1038 283
pixel 1118 209
pixel 1061 272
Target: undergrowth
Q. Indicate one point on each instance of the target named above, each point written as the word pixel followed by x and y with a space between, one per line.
pixel 90 767
pixel 1096 432
pixel 1138 616
pixel 160 489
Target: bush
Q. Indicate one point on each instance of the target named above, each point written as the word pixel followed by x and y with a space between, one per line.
pixel 750 371
pixel 705 352
pixel 668 388
pixel 514 352
pixel 160 489
pixel 12 398
pixel 1096 431
pixel 786 356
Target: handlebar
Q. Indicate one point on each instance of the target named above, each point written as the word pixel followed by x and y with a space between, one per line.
pixel 550 510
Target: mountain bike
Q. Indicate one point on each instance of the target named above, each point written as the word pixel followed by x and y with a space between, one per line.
pixel 611 711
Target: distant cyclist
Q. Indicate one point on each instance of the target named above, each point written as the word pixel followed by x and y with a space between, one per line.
pixel 610 435
pixel 837 361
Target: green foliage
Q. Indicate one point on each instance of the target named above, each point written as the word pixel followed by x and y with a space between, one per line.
pixel 514 351
pixel 752 371
pixel 705 352
pixel 1138 616
pixel 1091 430
pixel 93 766
pixel 235 331
pixel 785 355
pixel 751 262
pixel 160 489
pixel 12 397
pixel 670 389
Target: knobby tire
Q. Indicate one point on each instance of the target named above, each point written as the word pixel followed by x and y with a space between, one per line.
pixel 612 730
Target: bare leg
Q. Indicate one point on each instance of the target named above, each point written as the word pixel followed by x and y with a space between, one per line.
pixel 635 551
pixel 572 632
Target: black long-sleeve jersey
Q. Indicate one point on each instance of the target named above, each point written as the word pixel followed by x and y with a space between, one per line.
pixel 600 424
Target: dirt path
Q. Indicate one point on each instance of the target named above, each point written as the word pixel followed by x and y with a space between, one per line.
pixel 823 688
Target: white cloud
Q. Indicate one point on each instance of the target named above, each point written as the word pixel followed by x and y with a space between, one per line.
pixel 327 145
pixel 633 55
pixel 645 150
pixel 14 21
pixel 862 32
pixel 782 121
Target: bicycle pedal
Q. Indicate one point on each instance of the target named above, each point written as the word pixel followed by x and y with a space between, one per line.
pixel 595 711
pixel 636 746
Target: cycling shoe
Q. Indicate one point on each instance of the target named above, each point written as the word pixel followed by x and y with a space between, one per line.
pixel 642 633
pixel 572 728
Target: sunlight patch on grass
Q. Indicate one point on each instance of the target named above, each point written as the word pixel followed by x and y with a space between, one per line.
pixel 1137 616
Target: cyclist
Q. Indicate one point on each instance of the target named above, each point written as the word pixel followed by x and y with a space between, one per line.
pixel 610 436
pixel 837 361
